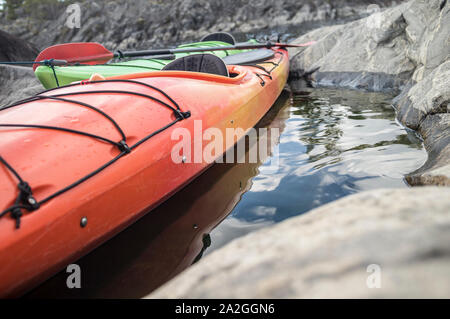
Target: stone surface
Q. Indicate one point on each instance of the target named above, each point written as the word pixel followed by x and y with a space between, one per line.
pixel 151 24
pixel 16 83
pixel 326 252
pixel 434 176
pixel 429 96
pixel 381 52
pixel 404 49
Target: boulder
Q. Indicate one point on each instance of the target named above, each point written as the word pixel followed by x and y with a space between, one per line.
pixel 14 49
pixel 17 83
pixel 381 52
pixel 405 50
pixel 144 24
pixel 378 244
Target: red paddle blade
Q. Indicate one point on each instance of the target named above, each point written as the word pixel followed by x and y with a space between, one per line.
pixel 84 52
pixel 288 45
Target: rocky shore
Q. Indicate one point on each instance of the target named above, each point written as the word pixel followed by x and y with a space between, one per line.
pixel 399 238
pixel 332 252
pixel 14 49
pixel 403 49
pixel 147 24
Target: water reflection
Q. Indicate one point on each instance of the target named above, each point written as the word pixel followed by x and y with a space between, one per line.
pixel 332 143
pixel 335 143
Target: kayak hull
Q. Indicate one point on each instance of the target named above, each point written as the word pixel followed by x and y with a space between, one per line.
pixel 52 236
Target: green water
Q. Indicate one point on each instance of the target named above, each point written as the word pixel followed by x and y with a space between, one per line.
pixel 333 143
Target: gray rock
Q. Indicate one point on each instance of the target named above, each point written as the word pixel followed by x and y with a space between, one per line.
pixel 17 83
pixel 436 132
pixel 327 253
pixel 429 96
pixel 15 49
pixel 150 24
pixel 433 176
pixel 426 107
pixel 380 52
pixel 405 49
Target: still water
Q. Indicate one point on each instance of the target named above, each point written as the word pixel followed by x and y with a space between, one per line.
pixel 332 143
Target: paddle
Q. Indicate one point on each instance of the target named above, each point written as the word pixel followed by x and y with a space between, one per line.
pixel 92 53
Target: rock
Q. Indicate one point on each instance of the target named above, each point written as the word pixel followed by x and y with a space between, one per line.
pixel 425 106
pixel 381 52
pixel 429 96
pixel 17 83
pixel 328 253
pixel 168 23
pixel 405 50
pixel 15 49
pixel 436 171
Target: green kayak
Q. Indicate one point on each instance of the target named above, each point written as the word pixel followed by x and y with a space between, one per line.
pixel 69 74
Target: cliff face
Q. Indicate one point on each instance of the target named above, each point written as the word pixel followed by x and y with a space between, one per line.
pixel 15 49
pixel 16 82
pixel 404 49
pixel 326 252
pixel 151 24
pixel 143 24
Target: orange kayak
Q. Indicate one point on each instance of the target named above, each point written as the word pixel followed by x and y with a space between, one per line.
pixel 65 191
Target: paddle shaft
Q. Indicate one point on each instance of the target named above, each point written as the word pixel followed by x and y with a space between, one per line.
pixel 240 46
pixel 55 62
pixel 95 53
